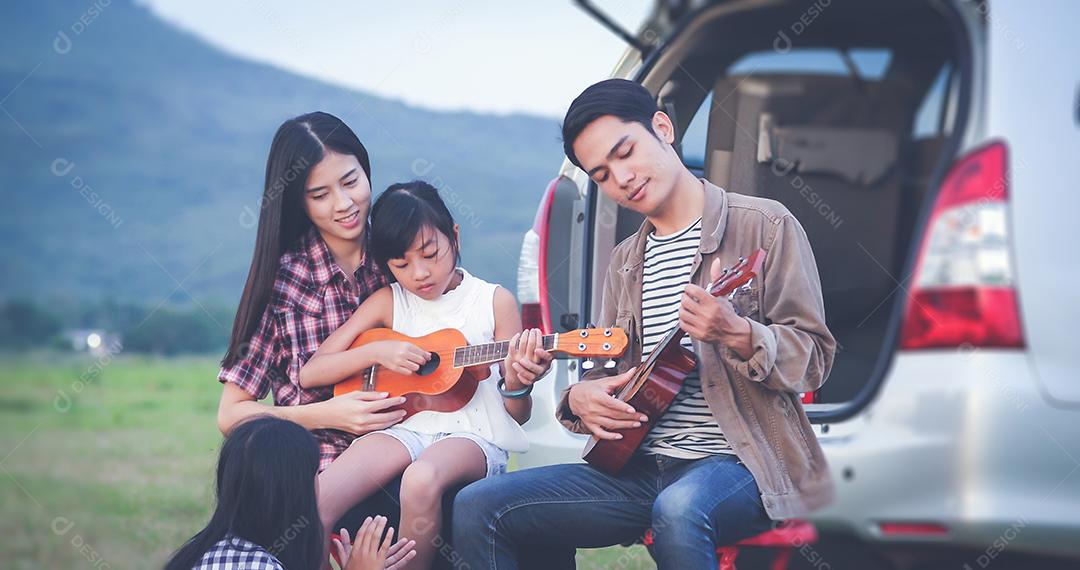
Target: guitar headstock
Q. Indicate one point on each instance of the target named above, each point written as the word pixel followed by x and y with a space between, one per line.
pixel 739 274
pixel 593 342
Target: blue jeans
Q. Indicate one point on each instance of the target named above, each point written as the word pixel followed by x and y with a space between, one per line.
pixel 386 503
pixel 693 506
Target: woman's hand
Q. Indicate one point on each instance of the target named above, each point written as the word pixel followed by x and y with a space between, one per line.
pixel 399 356
pixel 526 360
pixel 368 553
pixel 360 412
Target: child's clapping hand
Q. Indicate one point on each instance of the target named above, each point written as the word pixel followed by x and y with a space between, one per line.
pixel 368 553
pixel 526 359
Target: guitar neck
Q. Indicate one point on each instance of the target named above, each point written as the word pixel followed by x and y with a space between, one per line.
pixel 675 334
pixel 477 354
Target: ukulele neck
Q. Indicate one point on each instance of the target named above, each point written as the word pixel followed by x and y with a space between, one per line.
pixel 477 354
pixel 676 333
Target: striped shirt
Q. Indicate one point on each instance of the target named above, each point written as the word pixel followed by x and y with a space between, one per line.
pixel 687 429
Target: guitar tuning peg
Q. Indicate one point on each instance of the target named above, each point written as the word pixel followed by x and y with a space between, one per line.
pixel 587 364
pixel 609 364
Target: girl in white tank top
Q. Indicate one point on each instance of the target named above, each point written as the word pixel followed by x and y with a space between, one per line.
pixel 469 307
pixel 415 239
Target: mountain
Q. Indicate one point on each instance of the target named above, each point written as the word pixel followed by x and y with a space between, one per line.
pixel 132 154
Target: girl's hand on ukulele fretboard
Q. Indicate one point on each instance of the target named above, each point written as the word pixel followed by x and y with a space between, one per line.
pixel 526 360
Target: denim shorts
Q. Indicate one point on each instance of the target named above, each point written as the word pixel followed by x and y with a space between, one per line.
pixel 416 442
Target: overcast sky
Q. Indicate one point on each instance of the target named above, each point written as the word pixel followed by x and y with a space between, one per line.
pixel 482 55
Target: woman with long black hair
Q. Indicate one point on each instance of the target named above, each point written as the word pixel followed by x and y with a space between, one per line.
pixel 266 516
pixel 309 272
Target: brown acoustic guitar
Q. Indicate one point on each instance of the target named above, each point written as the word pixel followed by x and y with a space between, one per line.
pixel 449 379
pixel 656 382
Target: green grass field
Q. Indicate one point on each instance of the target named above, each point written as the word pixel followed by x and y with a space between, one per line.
pixel 110 464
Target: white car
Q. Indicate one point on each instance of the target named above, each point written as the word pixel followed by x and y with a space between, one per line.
pixel 926 147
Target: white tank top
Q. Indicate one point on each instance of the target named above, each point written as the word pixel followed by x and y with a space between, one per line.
pixel 469 307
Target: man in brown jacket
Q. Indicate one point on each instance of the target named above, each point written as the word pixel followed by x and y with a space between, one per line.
pixel 735 451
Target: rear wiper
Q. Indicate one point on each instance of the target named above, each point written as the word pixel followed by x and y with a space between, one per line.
pixel 614 26
pixel 853 70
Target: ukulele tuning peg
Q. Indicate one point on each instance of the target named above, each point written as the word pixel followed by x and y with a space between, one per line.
pixel 609 364
pixel 590 325
pixel 587 364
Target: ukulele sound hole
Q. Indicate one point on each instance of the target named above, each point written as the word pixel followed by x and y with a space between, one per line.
pixel 430 366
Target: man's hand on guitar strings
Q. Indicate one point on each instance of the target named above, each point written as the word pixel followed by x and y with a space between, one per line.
pixel 599 411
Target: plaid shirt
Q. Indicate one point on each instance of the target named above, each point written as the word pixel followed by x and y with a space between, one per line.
pixel 235 553
pixel 311 298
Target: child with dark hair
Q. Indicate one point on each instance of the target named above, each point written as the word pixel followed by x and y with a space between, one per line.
pixel 415 239
pixel 266 515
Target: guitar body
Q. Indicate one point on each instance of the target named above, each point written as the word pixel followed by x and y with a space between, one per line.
pixel 650 392
pixel 658 379
pixel 437 386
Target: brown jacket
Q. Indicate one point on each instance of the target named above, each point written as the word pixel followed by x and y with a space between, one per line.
pixel 755 402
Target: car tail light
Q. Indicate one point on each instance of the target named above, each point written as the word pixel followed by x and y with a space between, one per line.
pixel 532 267
pixel 964 290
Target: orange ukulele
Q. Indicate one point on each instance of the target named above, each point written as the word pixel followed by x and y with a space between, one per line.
pixel 659 378
pixel 449 379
